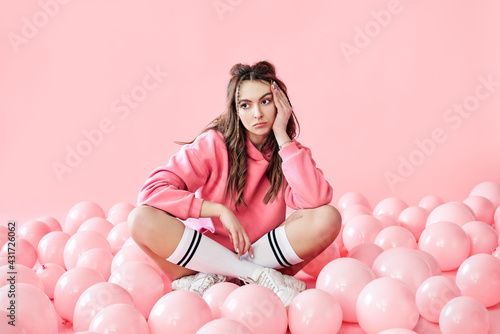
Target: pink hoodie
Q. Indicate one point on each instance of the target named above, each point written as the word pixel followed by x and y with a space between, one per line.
pixel 199 172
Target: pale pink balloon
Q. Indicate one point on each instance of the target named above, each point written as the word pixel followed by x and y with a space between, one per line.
pixel 79 213
pixel 95 299
pixel 314 267
pixel 397 331
pixel 117 236
pixel 464 315
pixel 33 311
pixel 314 311
pixel 224 326
pixel 339 241
pixel 489 190
pixel 51 222
pixel 97 224
pixel 406 265
pixel 431 261
pixel 22 274
pixel 257 307
pixel 391 206
pixel 119 318
pixel 344 279
pixel 51 248
pixel 142 281
pixel 4 235
pixel 33 231
pixel 479 277
pixel 496 253
pixel 361 229
pixel 131 253
pixel 49 274
pixel 25 253
pixel 351 198
pixel 430 202
pixel 447 242
pixel 496 218
pixel 366 253
pixel 413 218
pixel 482 207
pixel 433 294
pixel 98 259
pixel 386 303
pixel 81 242
pixel 119 212
pixel 483 238
pixel 387 220
pixel 70 287
pixel 179 312
pixel 454 212
pixel 395 236
pixel 216 295
pixel 353 211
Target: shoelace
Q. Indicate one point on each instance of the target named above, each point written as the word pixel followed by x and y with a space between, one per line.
pixel 207 282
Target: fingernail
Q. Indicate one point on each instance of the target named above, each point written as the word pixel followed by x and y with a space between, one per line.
pixel 237 250
pixel 276 90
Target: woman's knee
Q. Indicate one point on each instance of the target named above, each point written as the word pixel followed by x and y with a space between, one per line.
pixel 327 220
pixel 139 220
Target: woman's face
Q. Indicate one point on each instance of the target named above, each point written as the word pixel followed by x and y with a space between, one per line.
pixel 256 110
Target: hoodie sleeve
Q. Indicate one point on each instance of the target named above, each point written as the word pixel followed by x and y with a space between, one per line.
pixel 307 187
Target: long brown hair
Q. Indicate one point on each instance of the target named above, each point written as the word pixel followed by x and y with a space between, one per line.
pixel 229 124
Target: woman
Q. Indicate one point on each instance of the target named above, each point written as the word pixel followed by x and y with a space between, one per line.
pixel 217 210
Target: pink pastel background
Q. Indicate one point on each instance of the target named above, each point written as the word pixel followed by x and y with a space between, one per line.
pixel 369 80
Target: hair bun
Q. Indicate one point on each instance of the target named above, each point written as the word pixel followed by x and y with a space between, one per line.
pixel 265 67
pixel 240 69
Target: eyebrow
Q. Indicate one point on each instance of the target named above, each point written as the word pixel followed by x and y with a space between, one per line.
pixel 246 100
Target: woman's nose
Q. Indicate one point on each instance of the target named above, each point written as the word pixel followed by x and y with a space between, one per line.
pixel 257 112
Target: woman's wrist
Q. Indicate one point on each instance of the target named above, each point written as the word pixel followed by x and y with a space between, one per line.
pixel 211 209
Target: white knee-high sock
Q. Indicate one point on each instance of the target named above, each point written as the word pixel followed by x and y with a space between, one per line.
pixel 200 253
pixel 273 250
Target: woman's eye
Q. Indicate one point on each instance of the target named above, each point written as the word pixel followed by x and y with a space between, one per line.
pixel 244 104
pixel 269 101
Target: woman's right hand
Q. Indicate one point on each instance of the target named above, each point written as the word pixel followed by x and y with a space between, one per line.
pixel 237 234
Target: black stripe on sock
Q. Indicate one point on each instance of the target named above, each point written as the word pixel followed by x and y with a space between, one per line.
pixel 198 235
pixel 274 250
pixel 279 249
pixel 189 249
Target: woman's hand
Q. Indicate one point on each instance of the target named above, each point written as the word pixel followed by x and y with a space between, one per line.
pixel 237 234
pixel 284 109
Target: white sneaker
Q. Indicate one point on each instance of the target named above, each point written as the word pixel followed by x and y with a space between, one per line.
pixel 198 283
pixel 272 279
pixel 294 283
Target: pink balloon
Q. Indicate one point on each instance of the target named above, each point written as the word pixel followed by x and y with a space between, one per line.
pixel 24 250
pixel 353 211
pixel 454 212
pixel 314 267
pixel 119 318
pixel 142 281
pixel 361 229
pixel 496 216
pixel 397 331
pixel 489 190
pixel 96 224
pixel 98 259
pixel 95 299
pixel 366 253
pixel 119 212
pixel 413 218
pixel 314 311
pixel 482 207
pixel 33 312
pixel 351 198
pixel 344 279
pixel 386 303
pixel 51 222
pixel 496 253
pixel 404 264
pixel 433 294
pixel 447 242
pixel 339 241
pixel 430 202
pixel 70 287
pixel 4 235
pixel 224 326
pixel 216 295
pixel 464 315
pixel 483 238
pixel 51 248
pixel 23 275
pixel 131 253
pixel 179 312
pixel 257 307
pixel 391 206
pixel 33 231
pixel 431 261
pixel 479 277
pixel 81 242
pixel 79 213
pixel 49 274
pixel 117 236
pixel 395 236
pixel 387 220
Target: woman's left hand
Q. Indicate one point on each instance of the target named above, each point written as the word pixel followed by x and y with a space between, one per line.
pixel 284 109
